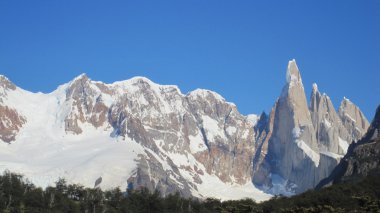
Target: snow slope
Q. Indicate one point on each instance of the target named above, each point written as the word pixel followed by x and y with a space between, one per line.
pixel 44 151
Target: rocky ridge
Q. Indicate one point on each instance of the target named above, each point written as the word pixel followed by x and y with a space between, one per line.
pixel 305 142
pixel 185 140
pixel 362 159
pixel 195 143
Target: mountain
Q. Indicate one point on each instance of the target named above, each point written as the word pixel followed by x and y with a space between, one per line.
pixel 136 133
pixel 362 159
pixel 304 142
pixel 132 133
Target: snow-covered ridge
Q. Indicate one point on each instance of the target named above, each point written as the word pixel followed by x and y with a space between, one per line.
pixel 88 129
pixel 130 85
pixel 196 143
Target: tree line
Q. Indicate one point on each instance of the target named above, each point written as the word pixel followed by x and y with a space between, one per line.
pixel 19 195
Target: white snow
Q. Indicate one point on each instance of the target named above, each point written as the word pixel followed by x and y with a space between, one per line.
pixel 327 123
pixel 231 130
pixel 211 127
pixel 252 118
pixel 43 151
pixel 214 187
pixel 196 143
pixel 315 87
pixel 331 154
pixel 349 117
pixel 203 93
pixel 211 185
pixel 85 157
pixel 78 159
pixel 343 145
pixel 280 186
pixel 308 151
pixel 296 132
pixel 290 77
pixel 346 99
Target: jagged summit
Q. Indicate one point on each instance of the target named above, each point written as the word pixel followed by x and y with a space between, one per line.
pixel 203 93
pixel 305 142
pixel 352 116
pixel 139 133
pixel 362 158
pixel 6 83
pixel 80 78
pixel 293 73
pixel 166 140
pixel 315 88
pixel 3 77
pixel 293 86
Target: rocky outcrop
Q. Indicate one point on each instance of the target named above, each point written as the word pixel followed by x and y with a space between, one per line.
pixel 327 123
pixel 293 148
pixel 86 103
pixel 353 119
pixel 200 127
pixel 10 120
pixel 10 123
pixel 362 158
pixel 5 85
pixel 304 142
pixel 186 141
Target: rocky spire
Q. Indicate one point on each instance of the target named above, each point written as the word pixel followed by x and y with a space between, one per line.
pixel 293 145
pixel 353 119
pixel 292 73
pixel 315 99
pixel 306 141
pixel 327 123
pixel 293 105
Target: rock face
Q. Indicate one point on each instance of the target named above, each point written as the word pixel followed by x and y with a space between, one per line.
pixel 353 119
pixel 362 158
pixel 10 120
pixel 137 133
pixel 185 140
pixel 304 143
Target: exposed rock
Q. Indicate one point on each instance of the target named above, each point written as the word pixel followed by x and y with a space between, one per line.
pixel 186 140
pixel 200 125
pixel 327 123
pixel 87 105
pixel 5 85
pixel 10 123
pixel 353 119
pixel 304 144
pixel 362 158
pixel 293 149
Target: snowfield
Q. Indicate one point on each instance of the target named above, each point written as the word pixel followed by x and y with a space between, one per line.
pixel 43 152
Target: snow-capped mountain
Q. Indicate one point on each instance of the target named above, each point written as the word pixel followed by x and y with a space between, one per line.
pixel 362 159
pixel 130 133
pixel 137 133
pixel 302 143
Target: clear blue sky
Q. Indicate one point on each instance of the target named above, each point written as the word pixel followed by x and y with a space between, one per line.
pixel 239 49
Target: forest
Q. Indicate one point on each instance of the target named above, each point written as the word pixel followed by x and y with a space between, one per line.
pixel 19 195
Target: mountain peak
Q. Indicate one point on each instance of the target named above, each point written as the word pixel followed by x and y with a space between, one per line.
pixel 351 114
pixel 203 93
pixel 6 83
pixel 141 79
pixel 346 100
pixel 315 88
pixel 293 73
pixel 293 84
pixel 81 77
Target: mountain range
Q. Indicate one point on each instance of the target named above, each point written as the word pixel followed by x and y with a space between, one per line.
pixel 136 133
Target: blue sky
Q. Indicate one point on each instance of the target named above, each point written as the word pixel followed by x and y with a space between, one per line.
pixel 239 49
